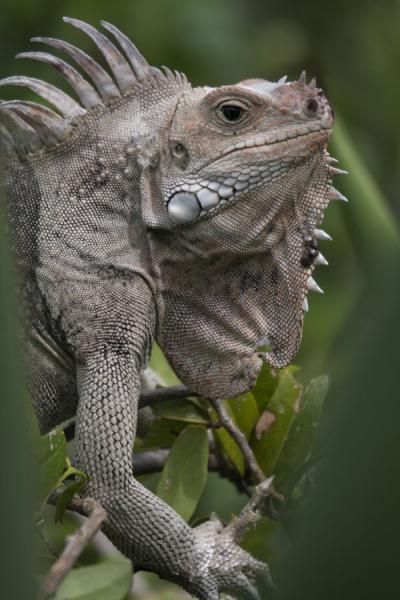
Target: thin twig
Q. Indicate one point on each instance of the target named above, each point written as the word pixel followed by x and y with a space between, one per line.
pixel 240 439
pixel 75 543
pixel 161 394
pixel 46 541
pixel 252 511
pixel 248 517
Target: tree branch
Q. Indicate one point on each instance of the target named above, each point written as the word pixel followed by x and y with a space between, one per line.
pixel 252 511
pixel 240 439
pixel 153 461
pixel 75 543
pixel 161 394
pixel 250 514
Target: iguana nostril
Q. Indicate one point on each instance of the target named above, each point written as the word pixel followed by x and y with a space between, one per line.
pixel 312 106
pixel 179 149
pixel 180 155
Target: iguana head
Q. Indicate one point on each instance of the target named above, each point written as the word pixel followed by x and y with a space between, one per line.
pixel 245 181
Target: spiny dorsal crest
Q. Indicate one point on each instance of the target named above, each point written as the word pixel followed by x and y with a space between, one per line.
pixel 27 126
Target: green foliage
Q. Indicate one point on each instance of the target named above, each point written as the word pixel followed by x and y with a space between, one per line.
pixel 109 579
pixel 284 405
pixel 69 488
pixel 277 419
pixel 18 470
pixel 56 471
pixel 374 231
pixel 299 443
pixel 162 434
pixel 52 455
pixel 161 366
pixel 182 410
pixel 185 473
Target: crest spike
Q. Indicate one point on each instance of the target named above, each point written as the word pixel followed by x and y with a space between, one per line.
pixel 62 102
pixel 320 234
pixel 24 137
pixel 303 78
pixel 87 94
pixel 101 79
pixel 139 64
pixel 6 140
pixel 332 160
pixel 50 126
pixel 313 286
pixel 335 171
pixel 334 194
pixel 118 64
pixel 321 260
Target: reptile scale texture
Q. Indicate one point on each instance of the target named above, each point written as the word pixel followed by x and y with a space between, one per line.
pixel 142 208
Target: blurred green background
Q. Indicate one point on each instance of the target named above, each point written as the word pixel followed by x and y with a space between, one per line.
pixel 350 333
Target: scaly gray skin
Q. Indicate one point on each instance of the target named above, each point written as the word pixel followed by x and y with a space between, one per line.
pixel 146 209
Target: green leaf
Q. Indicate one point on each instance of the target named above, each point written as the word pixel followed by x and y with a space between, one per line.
pixel 374 229
pixel 284 405
pixel 71 487
pixel 185 473
pixel 244 412
pixel 159 363
pixel 110 579
pixel 181 410
pixel 267 382
pixel 162 434
pixel 52 455
pixel 302 434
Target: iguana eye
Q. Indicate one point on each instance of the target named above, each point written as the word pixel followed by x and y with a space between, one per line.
pixel 231 112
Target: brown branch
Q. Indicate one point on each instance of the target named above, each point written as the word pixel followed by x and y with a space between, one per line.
pixel 75 543
pixel 153 461
pixel 252 511
pixel 250 514
pixel 240 439
pixel 161 394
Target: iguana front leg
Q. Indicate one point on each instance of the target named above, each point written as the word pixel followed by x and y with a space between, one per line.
pixel 143 527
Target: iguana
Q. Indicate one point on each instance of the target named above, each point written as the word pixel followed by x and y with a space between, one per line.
pixel 148 209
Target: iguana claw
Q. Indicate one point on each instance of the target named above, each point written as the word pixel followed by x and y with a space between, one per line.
pixel 222 566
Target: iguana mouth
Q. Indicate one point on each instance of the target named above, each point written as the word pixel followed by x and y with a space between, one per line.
pixel 273 139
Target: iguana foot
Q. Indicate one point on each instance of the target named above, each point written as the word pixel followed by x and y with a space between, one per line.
pixel 222 566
